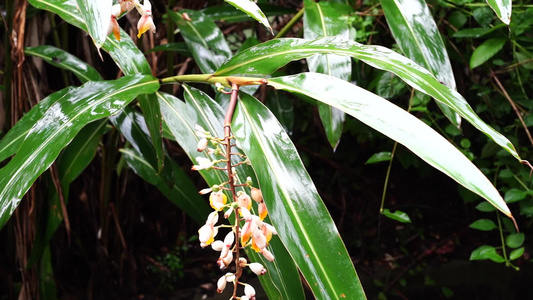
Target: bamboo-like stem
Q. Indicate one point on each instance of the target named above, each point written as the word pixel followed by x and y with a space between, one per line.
pixel 290 24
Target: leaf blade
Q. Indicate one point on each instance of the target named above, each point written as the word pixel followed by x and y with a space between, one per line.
pixel 397 124
pixel 252 10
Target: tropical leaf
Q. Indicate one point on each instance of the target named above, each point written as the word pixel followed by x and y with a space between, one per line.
pixel 486 51
pixel 229 14
pixel 282 279
pixel 297 211
pixel 97 15
pixel 324 19
pixel 58 126
pixel 204 38
pixel 503 9
pixel 398 125
pixel 417 34
pixel 282 51
pixel 64 60
pixel 252 10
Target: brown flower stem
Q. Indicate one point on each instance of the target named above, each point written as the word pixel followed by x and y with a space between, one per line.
pixel 227 141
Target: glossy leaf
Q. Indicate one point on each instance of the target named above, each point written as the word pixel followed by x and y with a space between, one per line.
pixel 281 51
pixel 483 225
pixel 503 9
pixel 514 195
pixel 58 126
pixel 416 32
pixel 379 157
pixel 397 124
pixel 486 51
pixel 229 14
pixel 97 15
pixel 485 207
pixel 486 252
pixel 62 59
pixel 297 211
pixel 397 215
pixel 516 253
pixel 324 19
pixel 180 48
pixel 515 240
pixel 282 280
pixel 152 114
pixel 204 38
pixel 11 142
pixel 252 10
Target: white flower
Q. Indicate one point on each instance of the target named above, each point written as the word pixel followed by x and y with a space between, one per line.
pixel 203 163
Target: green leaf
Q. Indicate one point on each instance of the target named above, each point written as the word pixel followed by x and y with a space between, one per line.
pixel 397 215
pixel 397 124
pixel 152 114
pixel 204 38
pixel 180 48
pixel 62 59
pixel 484 225
pixel 473 33
pixel 252 10
pixel 11 142
pixel 515 195
pixel 485 207
pixel 58 126
pixel 416 33
pixel 503 9
pixel 297 211
pixel 516 253
pixel 379 157
pixel 515 240
pixel 282 279
pixel 97 15
pixel 228 14
pixel 321 20
pixel 281 51
pixel 486 51
pixel 486 252
pixel 282 107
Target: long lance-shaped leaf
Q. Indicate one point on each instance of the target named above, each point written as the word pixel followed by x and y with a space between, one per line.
pixel 282 279
pixel 397 124
pixel 62 59
pixel 269 56
pixel 11 142
pixel 126 55
pixel 297 211
pixel 204 38
pixel 58 126
pixel 503 9
pixel 228 14
pixel 320 20
pixel 252 10
pixel 417 34
pixel 97 15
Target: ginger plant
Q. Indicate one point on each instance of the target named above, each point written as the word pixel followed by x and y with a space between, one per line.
pixel 254 233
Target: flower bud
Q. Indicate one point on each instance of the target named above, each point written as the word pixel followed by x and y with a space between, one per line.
pixel 263 212
pixel 257 195
pixel 230 277
pixel 217 245
pixel 257 268
pixel 221 284
pixel 228 213
pixel 202 144
pixel 217 200
pixel 242 262
pixel 267 254
pixel 249 291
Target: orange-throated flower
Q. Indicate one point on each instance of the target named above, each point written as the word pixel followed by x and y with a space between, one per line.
pixel 145 22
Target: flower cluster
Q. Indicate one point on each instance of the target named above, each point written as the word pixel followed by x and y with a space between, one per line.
pixel 248 230
pixel 124 6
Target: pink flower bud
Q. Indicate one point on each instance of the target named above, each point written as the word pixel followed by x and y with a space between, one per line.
pixel 257 195
pixel 263 212
pixel 202 144
pixel 242 262
pixel 267 254
pixel 228 212
pixel 221 284
pixel 217 245
pixel 249 291
pixel 257 268
pixel 244 200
